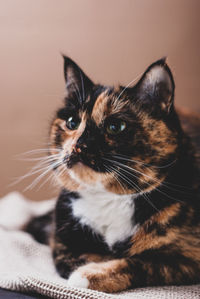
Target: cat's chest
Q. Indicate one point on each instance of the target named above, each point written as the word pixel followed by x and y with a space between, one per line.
pixel 107 214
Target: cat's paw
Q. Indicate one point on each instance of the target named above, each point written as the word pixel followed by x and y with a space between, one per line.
pixel 104 276
pixel 78 280
pixel 85 275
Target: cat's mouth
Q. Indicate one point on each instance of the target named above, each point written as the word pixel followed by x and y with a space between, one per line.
pixel 92 161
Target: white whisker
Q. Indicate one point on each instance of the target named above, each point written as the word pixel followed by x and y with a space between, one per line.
pixel 135 186
pixel 36 181
pixel 131 82
pixel 115 177
pixel 122 157
pixel 130 173
pixel 83 89
pixel 78 94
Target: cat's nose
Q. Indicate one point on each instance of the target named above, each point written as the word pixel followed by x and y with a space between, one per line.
pixel 80 147
pixel 77 149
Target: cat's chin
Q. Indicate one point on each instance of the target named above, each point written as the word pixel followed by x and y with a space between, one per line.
pixel 88 179
pixel 83 173
pixel 78 165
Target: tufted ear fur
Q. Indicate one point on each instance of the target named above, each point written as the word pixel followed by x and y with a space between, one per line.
pixel 76 80
pixel 156 86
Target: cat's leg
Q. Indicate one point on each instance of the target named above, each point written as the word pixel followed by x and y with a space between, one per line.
pixel 67 261
pixel 152 268
pixel 71 244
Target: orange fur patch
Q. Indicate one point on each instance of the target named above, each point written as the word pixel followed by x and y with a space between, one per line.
pixel 66 180
pixel 160 137
pixel 100 108
pixel 92 257
pixel 144 241
pixel 68 137
pixel 106 105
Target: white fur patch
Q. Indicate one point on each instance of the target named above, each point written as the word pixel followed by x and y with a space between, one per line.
pixel 106 213
pixel 77 280
pixel 16 210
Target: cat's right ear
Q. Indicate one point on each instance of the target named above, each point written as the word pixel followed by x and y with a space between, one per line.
pixel 76 80
pixel 156 87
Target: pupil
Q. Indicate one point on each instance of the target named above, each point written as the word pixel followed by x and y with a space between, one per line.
pixel 114 127
pixel 72 123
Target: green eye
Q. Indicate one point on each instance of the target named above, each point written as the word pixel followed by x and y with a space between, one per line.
pixel 72 123
pixel 116 127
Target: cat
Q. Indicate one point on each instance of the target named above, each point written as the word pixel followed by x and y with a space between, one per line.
pixel 128 214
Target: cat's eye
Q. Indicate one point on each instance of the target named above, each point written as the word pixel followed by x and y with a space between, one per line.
pixel 115 127
pixel 72 123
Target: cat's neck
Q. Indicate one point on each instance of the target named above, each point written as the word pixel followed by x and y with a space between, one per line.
pixel 179 187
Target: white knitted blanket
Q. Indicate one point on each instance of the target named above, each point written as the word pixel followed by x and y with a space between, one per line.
pixel 27 266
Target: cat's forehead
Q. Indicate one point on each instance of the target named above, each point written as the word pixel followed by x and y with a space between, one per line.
pixel 108 102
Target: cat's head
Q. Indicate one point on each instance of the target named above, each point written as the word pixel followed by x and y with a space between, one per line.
pixel 121 138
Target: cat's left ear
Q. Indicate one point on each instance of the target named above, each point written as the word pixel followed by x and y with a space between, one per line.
pixel 76 80
pixel 156 86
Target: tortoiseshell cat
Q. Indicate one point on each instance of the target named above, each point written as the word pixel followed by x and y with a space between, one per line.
pixel 128 214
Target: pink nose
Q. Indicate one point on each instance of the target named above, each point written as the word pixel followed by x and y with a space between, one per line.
pixel 77 149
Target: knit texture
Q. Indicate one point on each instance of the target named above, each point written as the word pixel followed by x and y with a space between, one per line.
pixel 27 266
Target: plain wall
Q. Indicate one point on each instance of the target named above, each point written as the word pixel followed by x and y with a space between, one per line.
pixel 112 40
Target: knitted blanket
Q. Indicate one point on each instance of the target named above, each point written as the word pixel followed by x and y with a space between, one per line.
pixel 27 266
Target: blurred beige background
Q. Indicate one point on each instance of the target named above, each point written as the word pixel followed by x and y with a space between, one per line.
pixel 112 40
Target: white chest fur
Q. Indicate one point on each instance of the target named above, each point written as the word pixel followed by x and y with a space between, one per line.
pixel 106 213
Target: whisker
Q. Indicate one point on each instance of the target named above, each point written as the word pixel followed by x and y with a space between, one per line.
pixel 36 181
pixel 27 175
pixel 46 161
pixel 82 84
pixel 131 82
pixel 41 166
pixel 77 91
pixel 37 151
pixel 61 171
pixel 124 177
pixel 130 173
pixel 121 157
pixel 135 186
pixel 166 184
pixel 115 177
pixel 43 158
pixel 151 178
pixel 50 177
pixel 132 169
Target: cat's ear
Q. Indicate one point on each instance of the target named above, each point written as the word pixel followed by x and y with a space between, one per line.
pixel 156 86
pixel 76 80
